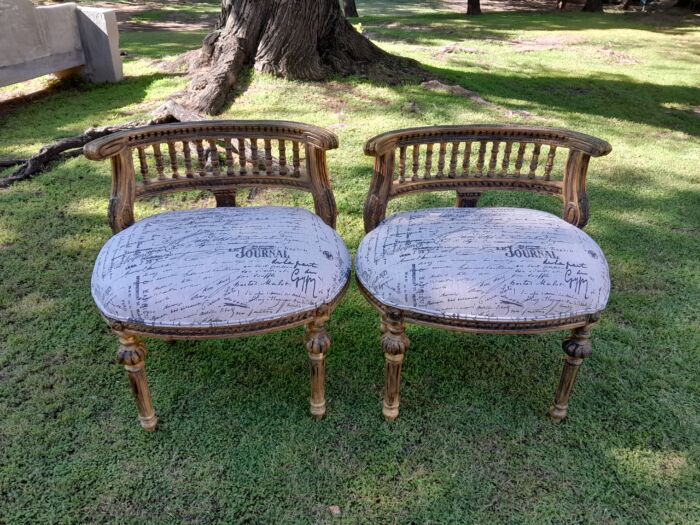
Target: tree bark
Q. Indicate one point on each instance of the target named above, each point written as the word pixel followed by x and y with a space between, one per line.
pixel 350 9
pixel 593 6
pixel 473 7
pixel 296 39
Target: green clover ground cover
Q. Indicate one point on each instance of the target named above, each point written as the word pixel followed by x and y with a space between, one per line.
pixel 473 443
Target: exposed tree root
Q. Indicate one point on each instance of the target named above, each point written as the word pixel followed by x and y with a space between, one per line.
pixel 68 148
pixel 302 40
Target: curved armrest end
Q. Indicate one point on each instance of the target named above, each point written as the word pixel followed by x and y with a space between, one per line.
pixel 106 147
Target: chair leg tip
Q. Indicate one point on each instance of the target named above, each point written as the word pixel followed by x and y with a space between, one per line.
pixel 149 423
pixel 318 411
pixel 557 414
pixel 390 414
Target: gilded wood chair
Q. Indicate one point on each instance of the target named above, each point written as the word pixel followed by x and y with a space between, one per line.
pixel 484 270
pixel 220 272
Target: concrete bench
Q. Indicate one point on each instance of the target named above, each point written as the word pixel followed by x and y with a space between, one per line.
pixel 36 41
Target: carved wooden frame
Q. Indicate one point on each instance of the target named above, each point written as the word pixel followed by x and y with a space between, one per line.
pixel 209 174
pixel 469 186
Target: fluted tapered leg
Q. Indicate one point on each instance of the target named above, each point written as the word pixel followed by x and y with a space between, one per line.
pixel 394 344
pixel 317 342
pixel 576 347
pixel 132 354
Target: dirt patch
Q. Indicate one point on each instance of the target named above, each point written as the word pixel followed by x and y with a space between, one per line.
pixel 610 56
pixel 459 91
pixel 455 49
pixel 127 18
pixel 513 6
pixel 546 43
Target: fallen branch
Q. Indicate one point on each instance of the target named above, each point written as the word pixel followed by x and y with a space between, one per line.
pixel 69 148
pixel 436 85
pixel 11 162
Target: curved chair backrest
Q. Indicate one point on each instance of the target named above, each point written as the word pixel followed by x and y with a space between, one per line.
pixel 474 159
pixel 219 156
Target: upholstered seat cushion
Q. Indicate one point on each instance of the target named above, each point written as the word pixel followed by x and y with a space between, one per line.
pixel 220 267
pixel 484 264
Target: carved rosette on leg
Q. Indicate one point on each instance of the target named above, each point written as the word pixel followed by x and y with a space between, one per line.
pixel 576 347
pixel 132 354
pixel 394 344
pixel 317 342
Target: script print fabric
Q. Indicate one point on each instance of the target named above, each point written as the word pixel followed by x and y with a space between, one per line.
pixel 220 267
pixel 484 264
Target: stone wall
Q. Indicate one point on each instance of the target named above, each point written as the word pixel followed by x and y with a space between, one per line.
pixel 36 41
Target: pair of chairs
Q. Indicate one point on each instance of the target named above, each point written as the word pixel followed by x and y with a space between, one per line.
pixel 228 272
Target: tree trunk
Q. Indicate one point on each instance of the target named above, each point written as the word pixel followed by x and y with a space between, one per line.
pixel 473 7
pixel 593 6
pixel 296 39
pixel 350 9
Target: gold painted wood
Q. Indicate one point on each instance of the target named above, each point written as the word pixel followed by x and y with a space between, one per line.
pixel 469 185
pixel 132 354
pixel 483 175
pixel 394 344
pixel 576 347
pixel 317 342
pixel 308 173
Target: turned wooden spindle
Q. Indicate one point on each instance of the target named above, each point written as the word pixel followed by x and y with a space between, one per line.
pixel 160 169
pixel 228 146
pixel 414 161
pixel 268 157
pixel 317 342
pixel 428 161
pixel 480 159
pixel 519 158
pixel 254 158
pixel 188 159
pixel 402 164
pixel 214 158
pixel 493 159
pixel 441 160
pixel 505 163
pixel 550 162
pixel 282 156
pixel 466 160
pixel 394 345
pixel 143 164
pixel 534 161
pixel 132 355
pixel 172 154
pixel 242 162
pixel 576 347
pixel 296 163
pixel 201 159
pixel 454 152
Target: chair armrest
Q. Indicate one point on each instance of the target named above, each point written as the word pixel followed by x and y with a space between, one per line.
pixel 111 145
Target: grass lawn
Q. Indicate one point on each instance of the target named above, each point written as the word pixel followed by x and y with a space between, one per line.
pixel 473 444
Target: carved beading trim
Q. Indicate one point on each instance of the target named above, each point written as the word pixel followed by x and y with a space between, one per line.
pixel 106 147
pixel 466 185
pixel 557 136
